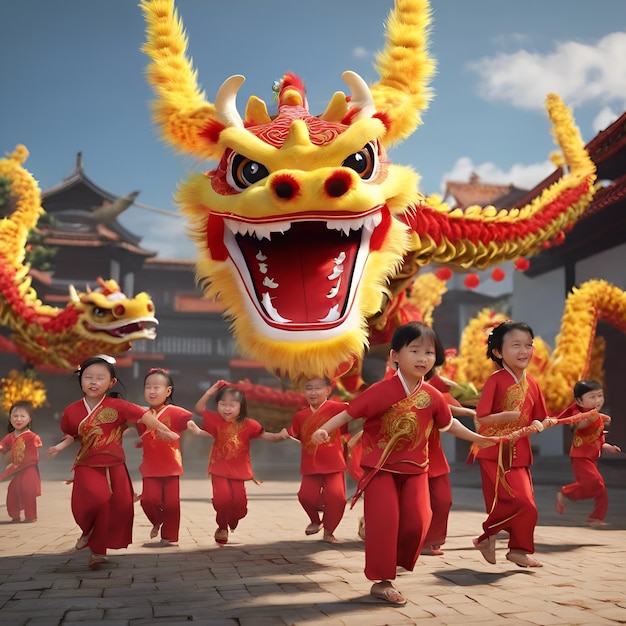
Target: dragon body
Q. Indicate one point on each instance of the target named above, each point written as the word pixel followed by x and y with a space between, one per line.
pixel 102 320
pixel 305 231
pixel 577 353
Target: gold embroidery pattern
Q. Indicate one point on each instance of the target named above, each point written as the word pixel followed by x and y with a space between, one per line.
pixel 92 434
pixel 230 441
pixel 514 400
pixel 19 450
pixel 583 437
pixel 399 427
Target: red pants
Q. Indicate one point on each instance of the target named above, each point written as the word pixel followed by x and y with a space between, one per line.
pixel 102 503
pixel 326 493
pixel 229 501
pixel 160 501
pixel 22 494
pixel 589 484
pixel 397 515
pixel 515 514
pixel 440 503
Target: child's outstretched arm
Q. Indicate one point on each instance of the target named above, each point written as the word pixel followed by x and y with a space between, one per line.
pixel 322 434
pixel 66 442
pixel 194 429
pixel 279 436
pixel 496 418
pixel 458 430
pixel 204 398
pixel 610 448
pixel 151 421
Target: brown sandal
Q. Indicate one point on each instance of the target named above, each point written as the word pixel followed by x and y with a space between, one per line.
pixel 384 590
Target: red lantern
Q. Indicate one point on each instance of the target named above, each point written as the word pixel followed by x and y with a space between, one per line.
pixel 472 281
pixel 522 264
pixel 498 274
pixel 444 273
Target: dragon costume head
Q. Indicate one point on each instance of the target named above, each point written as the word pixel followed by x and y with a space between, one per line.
pixel 305 231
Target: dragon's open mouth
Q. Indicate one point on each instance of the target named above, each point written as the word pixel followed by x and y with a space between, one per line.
pixel 136 329
pixel 301 274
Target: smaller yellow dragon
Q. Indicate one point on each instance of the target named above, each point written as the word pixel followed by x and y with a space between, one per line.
pixel 102 320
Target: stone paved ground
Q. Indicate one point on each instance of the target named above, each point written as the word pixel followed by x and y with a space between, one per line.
pixel 271 574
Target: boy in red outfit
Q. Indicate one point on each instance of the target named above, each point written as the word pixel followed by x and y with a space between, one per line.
pixel 587 446
pixel 323 486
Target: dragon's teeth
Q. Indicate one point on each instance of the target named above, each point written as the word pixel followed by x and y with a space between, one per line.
pixel 255 229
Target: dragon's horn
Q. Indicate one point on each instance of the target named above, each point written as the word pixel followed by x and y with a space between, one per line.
pixel 361 94
pixel 181 109
pixel 405 69
pixel 73 294
pixel 226 101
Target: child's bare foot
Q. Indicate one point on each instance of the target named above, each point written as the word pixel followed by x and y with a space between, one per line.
pixel 522 559
pixel 386 591
pixel 83 540
pixel 487 548
pixel 560 503
pixel 432 550
pixel 597 523
pixel 155 531
pixel 330 538
pixel 313 528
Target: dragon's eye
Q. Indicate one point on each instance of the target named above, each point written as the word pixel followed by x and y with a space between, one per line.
pixel 364 162
pixel 244 172
pixel 98 312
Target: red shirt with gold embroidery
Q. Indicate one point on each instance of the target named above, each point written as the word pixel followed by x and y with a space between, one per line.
pixel 163 458
pixel 328 457
pixel 503 393
pixel 230 453
pixel 396 427
pixel 23 449
pixel 587 441
pixel 100 431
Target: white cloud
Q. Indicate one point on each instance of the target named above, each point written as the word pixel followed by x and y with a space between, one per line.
pixel 520 175
pixel 579 73
pixel 604 119
pixel 361 53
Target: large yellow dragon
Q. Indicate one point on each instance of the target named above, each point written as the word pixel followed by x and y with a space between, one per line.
pixel 102 320
pixel 305 231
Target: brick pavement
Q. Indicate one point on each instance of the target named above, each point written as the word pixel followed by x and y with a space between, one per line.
pixel 271 574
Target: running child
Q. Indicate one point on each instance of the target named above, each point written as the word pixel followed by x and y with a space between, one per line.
pixel 509 401
pixel 102 492
pixel 587 446
pixel 398 415
pixel 23 469
pixel 162 463
pixel 229 461
pixel 323 486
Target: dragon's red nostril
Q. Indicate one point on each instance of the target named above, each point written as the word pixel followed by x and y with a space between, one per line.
pixel 286 187
pixel 338 184
pixel 119 310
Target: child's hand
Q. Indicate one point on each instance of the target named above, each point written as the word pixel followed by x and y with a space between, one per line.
pixel 193 428
pixel 167 435
pixel 52 451
pixel 487 442
pixel 319 436
pixel 284 434
pixel 611 448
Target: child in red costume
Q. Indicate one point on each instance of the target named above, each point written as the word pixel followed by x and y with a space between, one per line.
pixel 323 486
pixel 510 400
pixel 23 470
pixel 229 461
pixel 102 492
pixel 398 414
pixel 162 463
pixel 587 446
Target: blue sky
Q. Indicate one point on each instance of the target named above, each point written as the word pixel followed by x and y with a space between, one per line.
pixel 73 80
